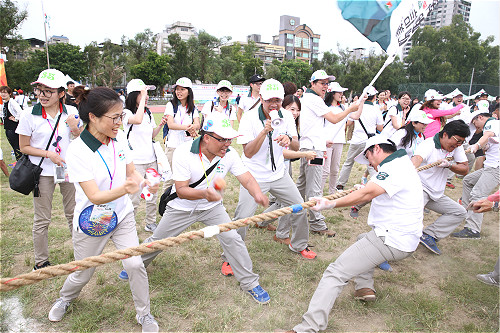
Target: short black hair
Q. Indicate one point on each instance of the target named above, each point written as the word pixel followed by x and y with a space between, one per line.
pixel 386 147
pixel 70 82
pixel 456 127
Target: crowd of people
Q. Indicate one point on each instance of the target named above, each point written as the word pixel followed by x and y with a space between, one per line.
pixel 103 144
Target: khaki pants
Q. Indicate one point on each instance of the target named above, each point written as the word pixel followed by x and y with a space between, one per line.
pixel 124 236
pixel 135 197
pixel 332 166
pixel 452 215
pixel 170 154
pixel 43 214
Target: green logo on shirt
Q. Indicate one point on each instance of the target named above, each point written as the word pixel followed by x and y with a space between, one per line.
pixel 382 176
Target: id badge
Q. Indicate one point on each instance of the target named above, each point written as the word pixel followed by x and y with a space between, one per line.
pixel 98 220
pixel 60 174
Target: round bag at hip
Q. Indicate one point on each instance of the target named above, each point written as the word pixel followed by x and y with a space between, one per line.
pixel 97 220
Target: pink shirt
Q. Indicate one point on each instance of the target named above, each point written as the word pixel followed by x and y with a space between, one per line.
pixel 435 126
pixel 494 197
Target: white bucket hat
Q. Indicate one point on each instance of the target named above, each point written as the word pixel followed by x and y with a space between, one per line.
pixel 224 84
pixel 138 85
pixel 432 94
pixel 420 116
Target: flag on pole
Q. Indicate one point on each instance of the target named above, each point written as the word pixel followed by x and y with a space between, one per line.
pixel 388 23
pixel 3 75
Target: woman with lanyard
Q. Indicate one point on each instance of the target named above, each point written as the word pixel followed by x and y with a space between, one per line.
pixel 221 103
pixel 396 115
pixel 103 172
pixel 183 120
pixel 11 111
pixel 35 128
pixel 412 134
pixel 140 128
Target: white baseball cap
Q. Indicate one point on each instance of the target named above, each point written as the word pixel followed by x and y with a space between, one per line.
pixel 218 123
pixel 370 91
pixel 321 75
pixel 51 78
pixel 483 105
pixel 455 93
pixel 335 87
pixel 432 94
pixel 138 85
pixel 474 115
pixel 272 88
pixel 420 116
pixel 377 139
pixel 184 82
pixel 224 84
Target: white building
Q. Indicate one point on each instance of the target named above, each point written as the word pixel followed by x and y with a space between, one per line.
pixel 184 29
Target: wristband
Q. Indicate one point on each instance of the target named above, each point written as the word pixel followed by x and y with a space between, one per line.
pixel 289 136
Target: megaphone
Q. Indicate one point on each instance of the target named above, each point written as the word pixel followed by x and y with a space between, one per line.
pixel 276 121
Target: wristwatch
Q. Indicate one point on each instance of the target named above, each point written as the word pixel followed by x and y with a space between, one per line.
pixel 495 207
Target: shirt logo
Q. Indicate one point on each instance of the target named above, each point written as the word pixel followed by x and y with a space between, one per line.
pixel 121 155
pixel 382 175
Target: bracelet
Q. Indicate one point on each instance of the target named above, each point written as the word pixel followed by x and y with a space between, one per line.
pixel 47 154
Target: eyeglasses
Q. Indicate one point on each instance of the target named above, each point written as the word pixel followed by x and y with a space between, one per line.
pixel 46 93
pixel 221 140
pixel 324 84
pixel 459 142
pixel 118 119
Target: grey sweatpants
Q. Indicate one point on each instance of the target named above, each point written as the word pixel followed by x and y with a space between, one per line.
pixel 124 236
pixel 309 185
pixel 151 206
pixel 452 215
pixel 286 193
pixel 43 214
pixel 175 221
pixel 358 262
pixel 476 186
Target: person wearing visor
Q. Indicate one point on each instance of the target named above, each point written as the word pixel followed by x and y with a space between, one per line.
pixel 396 215
pixel 206 161
pixel 221 103
pixel 35 128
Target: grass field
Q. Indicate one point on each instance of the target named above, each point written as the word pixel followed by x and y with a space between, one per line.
pixel 424 293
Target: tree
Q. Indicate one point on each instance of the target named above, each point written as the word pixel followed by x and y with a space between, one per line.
pixel 139 47
pixel 296 71
pixel 201 51
pixel 180 60
pixel 450 53
pixel 10 20
pixel 154 70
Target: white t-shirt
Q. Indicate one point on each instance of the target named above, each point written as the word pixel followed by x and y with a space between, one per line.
pixel 397 214
pixel 176 137
pixel 335 132
pixel 492 153
pixel 230 110
pixel 434 179
pixel 32 124
pixel 187 165
pixel 260 165
pixel 311 121
pixel 246 102
pixel 22 100
pixel 395 111
pixel 464 114
pixel 410 149
pixel 140 138
pixel 85 163
pixel 371 117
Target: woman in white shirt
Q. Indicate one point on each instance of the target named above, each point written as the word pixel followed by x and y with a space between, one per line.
pixel 396 115
pixel 102 170
pixel 183 120
pixel 412 134
pixel 221 104
pixel 35 128
pixel 140 128
pixel 11 111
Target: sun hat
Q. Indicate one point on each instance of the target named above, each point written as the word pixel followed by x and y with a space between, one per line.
pixel 456 93
pixel 272 89
pixel 224 84
pixel 51 78
pixel 183 82
pixel 377 139
pixel 420 116
pixel 218 123
pixel 321 75
pixel 335 87
pixel 432 94
pixel 138 85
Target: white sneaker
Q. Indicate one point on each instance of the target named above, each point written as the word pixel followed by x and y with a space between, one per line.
pixel 151 227
pixel 488 279
pixel 148 322
pixel 58 310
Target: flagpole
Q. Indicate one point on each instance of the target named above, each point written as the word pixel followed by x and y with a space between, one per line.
pixel 387 62
pixel 470 86
pixel 46 42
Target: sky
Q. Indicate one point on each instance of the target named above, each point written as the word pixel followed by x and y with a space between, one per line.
pixel 96 20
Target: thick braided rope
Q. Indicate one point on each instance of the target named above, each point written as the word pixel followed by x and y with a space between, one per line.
pixel 162 244
pixel 7 284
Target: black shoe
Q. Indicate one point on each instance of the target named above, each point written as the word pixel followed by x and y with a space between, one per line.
pixel 340 187
pixel 467 233
pixel 42 265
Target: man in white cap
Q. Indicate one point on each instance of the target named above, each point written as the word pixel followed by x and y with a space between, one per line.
pixel 313 115
pixel 395 217
pixel 263 147
pixel 252 100
pixel 366 126
pixel 447 143
pixel 481 183
pixel 209 158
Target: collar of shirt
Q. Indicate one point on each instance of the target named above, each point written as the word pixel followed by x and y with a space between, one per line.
pixel 369 103
pixel 437 143
pixel 91 140
pixel 310 91
pixel 397 154
pixel 37 109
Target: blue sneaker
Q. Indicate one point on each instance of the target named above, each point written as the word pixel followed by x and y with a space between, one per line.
pixel 123 275
pixel 430 243
pixel 259 295
pixel 385 266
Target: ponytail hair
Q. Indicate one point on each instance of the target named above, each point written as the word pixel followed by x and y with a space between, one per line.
pixel 97 101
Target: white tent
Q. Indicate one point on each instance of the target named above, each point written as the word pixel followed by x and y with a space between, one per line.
pixel 455 93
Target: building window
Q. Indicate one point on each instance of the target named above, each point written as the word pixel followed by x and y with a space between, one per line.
pixel 289 36
pixel 315 40
pixel 289 44
pixel 302 42
pixel 184 29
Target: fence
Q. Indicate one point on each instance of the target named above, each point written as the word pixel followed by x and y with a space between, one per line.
pixel 418 89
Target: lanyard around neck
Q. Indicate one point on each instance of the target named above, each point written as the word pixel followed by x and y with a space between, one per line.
pixel 111 176
pixel 205 171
